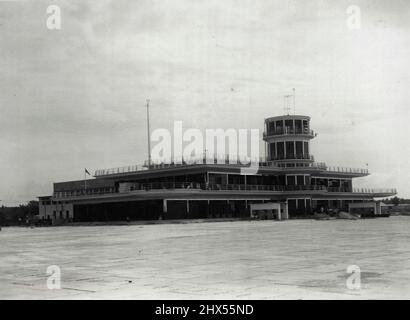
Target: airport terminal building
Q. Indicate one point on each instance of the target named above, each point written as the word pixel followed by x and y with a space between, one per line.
pixel 289 182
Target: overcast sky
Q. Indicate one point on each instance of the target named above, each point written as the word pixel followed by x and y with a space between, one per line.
pixel 74 98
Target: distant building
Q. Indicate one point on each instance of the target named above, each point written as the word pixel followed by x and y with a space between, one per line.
pixel 289 176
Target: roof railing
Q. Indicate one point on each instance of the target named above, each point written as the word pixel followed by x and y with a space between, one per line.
pixel 391 191
pixel 224 160
pixel 126 169
pixel 348 170
pixel 129 187
pixel 221 187
pixel 288 131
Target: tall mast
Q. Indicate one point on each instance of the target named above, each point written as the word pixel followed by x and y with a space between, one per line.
pixel 286 106
pixel 148 136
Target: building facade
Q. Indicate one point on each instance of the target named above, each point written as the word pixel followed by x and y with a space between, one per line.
pixel 289 176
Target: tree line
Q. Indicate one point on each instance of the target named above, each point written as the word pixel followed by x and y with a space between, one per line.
pixel 19 215
pixel 396 201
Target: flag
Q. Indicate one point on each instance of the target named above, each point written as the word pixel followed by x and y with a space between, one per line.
pixel 86 171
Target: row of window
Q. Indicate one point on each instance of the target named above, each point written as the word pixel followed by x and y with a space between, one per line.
pixel 286 149
pixel 61 214
pixel 290 125
pixel 293 165
pixel 47 203
pixel 292 180
pixel 73 193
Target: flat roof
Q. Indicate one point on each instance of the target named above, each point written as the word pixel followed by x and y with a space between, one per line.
pixel 288 117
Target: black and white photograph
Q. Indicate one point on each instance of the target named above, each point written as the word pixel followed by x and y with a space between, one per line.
pixel 207 150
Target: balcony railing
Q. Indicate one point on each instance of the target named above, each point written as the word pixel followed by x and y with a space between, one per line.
pixel 129 187
pixel 164 164
pixel 127 169
pixel 83 192
pixel 224 160
pixel 248 187
pixel 289 131
pixel 220 187
pixel 293 157
pixel 348 170
pixel 216 159
pixel 390 191
pixel 261 162
pixel 319 165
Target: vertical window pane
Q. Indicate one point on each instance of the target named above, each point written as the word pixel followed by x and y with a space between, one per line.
pixel 272 151
pixel 280 150
pixel 290 149
pixel 306 146
pixel 299 148
pixel 291 180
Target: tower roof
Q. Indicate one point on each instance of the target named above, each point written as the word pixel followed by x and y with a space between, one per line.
pixel 288 117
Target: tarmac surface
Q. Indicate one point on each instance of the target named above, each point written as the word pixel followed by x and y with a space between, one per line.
pixel 294 259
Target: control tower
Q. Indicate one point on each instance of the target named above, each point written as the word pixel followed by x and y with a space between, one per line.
pixel 288 140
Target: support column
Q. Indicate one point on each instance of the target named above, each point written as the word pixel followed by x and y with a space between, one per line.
pixel 164 208
pixel 275 154
pixel 285 215
pixel 267 151
pixel 378 208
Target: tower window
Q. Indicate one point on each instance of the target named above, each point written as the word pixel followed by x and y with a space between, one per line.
pixel 299 148
pixel 306 147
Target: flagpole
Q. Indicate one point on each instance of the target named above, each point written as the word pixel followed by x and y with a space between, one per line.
pixel 148 136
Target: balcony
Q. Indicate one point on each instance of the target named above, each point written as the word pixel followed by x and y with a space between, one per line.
pixel 219 187
pixel 376 192
pixel 247 187
pixel 130 187
pixel 168 164
pixel 119 170
pixel 289 131
pixel 224 160
pixel 383 192
pixel 83 192
pixel 348 170
pixel 155 165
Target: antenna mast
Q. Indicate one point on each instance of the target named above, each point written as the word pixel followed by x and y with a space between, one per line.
pixel 148 136
pixel 286 106
pixel 294 105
